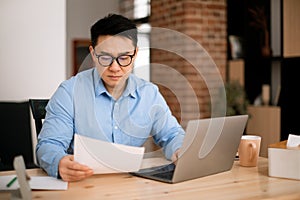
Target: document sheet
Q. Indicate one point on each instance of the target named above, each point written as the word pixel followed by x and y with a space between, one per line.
pixel 35 182
pixel 293 141
pixel 106 157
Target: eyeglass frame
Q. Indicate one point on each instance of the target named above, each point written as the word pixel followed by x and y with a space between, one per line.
pixel 115 58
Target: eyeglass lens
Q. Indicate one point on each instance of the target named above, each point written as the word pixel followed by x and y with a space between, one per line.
pixel 107 60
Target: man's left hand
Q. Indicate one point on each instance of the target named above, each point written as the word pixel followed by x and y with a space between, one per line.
pixel 175 156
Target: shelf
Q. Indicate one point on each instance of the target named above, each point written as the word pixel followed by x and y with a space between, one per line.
pixel 264 121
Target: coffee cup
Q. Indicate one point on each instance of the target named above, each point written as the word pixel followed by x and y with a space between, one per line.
pixel 249 150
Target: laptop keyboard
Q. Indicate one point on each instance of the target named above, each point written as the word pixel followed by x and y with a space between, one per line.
pixel 162 172
pixel 165 175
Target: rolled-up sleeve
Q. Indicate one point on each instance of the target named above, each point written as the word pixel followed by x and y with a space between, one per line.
pixel 166 131
pixel 57 131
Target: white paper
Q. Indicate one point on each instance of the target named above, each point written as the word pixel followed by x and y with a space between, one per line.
pixel 106 157
pixel 293 141
pixel 35 182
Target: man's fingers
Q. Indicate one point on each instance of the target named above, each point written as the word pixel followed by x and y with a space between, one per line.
pixel 175 156
pixel 72 171
pixel 72 175
pixel 77 166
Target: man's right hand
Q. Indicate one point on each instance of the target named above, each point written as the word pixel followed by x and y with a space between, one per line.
pixel 71 170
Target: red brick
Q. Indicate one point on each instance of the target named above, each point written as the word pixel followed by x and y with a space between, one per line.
pixel 205 22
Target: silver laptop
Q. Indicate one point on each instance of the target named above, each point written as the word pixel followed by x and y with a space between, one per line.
pixel 209 147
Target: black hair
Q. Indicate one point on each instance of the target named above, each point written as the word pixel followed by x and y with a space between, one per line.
pixel 114 24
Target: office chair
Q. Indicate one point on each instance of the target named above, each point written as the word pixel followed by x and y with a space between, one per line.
pixel 16 136
pixel 38 111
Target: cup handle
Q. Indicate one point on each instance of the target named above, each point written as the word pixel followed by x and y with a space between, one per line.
pixel 253 150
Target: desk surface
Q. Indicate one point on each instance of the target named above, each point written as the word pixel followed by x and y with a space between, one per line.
pixel 238 183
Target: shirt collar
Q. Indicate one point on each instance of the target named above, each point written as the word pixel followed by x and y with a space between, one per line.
pixel 100 89
pixel 98 84
pixel 131 87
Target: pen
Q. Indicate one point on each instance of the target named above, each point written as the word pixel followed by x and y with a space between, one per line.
pixel 11 182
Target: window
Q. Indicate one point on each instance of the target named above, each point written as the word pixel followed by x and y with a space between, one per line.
pixel 141 18
pixel 142 62
pixel 141 9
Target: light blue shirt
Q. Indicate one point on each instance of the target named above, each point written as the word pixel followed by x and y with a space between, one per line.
pixel 82 105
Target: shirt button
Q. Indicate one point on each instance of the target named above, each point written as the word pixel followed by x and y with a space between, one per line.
pixel 116 127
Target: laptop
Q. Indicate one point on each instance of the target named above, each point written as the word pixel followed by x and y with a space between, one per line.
pixel 209 147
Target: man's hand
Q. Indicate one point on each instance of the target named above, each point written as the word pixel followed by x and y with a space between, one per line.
pixel 175 156
pixel 70 170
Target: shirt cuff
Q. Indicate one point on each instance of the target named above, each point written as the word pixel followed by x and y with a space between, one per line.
pixel 54 167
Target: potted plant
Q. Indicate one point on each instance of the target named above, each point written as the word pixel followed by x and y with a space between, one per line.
pixel 237 101
pixel 259 21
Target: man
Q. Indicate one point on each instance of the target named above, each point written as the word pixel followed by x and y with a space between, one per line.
pixel 106 102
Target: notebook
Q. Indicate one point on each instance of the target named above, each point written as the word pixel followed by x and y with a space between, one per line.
pixel 209 147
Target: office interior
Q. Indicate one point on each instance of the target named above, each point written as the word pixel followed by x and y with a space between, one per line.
pixel 40 42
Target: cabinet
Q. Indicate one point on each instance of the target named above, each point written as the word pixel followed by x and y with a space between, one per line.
pixel 264 121
pixel 279 70
pixel 236 71
pixel 291 28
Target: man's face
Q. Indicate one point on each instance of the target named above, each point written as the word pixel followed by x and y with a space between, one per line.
pixel 118 47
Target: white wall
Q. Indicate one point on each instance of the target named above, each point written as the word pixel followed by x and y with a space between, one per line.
pixel 36 43
pixel 33 48
pixel 81 15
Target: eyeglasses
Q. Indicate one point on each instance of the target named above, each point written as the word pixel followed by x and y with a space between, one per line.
pixel 106 60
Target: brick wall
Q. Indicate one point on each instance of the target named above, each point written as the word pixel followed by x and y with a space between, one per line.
pixel 184 36
pixel 126 8
pixel 205 22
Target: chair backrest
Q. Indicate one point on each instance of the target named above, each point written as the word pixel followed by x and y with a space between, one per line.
pixel 16 136
pixel 39 112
